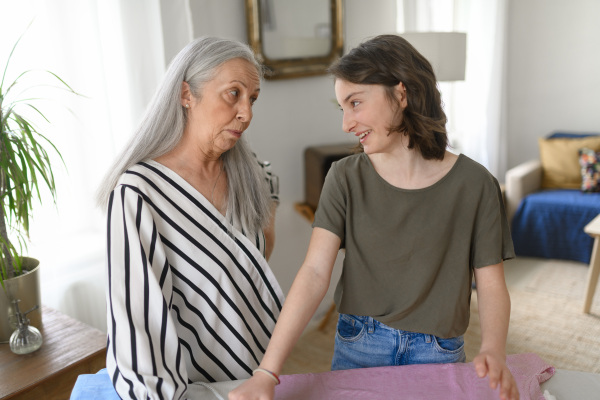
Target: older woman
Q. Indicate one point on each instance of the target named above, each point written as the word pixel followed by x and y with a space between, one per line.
pixel 190 225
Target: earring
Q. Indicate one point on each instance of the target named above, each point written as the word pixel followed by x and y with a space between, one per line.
pixel 187 106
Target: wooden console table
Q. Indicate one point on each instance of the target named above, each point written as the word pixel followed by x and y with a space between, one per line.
pixel 306 211
pixel 592 229
pixel 70 348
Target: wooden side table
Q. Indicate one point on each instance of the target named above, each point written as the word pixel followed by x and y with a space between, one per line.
pixel 70 348
pixel 592 229
pixel 306 211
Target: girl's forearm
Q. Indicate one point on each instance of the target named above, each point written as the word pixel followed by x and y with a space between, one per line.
pixel 494 314
pixel 306 293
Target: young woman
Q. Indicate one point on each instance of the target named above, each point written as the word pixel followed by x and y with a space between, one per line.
pixel 417 223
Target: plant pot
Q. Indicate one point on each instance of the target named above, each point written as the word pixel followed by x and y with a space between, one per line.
pixel 26 288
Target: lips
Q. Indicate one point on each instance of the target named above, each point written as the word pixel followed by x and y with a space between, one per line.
pixel 235 132
pixel 364 135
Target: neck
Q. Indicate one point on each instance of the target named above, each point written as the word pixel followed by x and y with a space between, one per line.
pixel 205 175
pixel 409 170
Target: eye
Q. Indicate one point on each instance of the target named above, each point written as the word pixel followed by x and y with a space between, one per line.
pixel 354 103
pixel 253 100
pixel 234 92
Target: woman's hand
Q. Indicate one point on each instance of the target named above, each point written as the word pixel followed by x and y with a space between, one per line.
pixel 259 387
pixel 494 367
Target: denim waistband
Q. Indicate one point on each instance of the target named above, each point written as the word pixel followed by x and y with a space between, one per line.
pixel 372 323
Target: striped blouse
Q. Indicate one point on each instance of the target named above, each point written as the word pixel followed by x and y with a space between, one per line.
pixel 190 299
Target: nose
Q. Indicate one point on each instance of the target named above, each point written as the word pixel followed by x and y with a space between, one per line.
pixel 348 123
pixel 244 113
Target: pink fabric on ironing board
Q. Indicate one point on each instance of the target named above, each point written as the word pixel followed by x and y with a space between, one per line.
pixel 430 381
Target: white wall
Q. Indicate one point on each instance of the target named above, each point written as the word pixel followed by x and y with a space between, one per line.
pixel 553 80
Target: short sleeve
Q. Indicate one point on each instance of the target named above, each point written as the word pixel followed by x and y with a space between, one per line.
pixel 492 238
pixel 332 207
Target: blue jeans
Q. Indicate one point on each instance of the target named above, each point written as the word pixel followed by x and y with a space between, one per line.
pixel 362 342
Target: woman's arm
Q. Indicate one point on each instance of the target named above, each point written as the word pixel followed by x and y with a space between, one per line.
pixel 494 315
pixel 143 356
pixel 307 292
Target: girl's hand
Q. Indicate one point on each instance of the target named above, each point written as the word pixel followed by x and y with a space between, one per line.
pixel 494 367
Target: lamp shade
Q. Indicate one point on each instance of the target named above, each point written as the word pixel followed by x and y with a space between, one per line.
pixel 446 51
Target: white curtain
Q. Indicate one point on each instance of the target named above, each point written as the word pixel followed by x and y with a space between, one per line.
pixel 112 52
pixel 475 107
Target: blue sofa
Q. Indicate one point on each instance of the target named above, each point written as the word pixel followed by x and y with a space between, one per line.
pixel 548 222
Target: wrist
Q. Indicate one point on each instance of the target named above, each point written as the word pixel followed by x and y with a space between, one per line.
pixel 493 351
pixel 273 377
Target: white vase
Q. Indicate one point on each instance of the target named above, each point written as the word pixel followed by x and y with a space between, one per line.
pixel 26 288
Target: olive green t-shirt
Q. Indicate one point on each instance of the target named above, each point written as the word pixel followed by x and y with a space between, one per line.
pixel 410 254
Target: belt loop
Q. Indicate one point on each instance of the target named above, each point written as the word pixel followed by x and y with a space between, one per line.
pixel 428 338
pixel 370 324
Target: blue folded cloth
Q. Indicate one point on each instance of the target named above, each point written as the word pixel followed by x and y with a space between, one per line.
pixel 99 386
pixel 96 386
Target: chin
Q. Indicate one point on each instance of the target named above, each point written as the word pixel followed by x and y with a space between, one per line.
pixel 369 149
pixel 230 144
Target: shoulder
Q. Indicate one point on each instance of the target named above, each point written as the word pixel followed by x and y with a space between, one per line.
pixel 138 174
pixel 474 179
pixel 347 170
pixel 264 165
pixel 351 164
pixel 472 170
pixel 145 177
pixel 271 178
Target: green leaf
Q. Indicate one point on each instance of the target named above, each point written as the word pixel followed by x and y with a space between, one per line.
pixel 24 162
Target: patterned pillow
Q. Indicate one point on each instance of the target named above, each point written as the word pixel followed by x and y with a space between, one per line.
pixel 559 158
pixel 589 160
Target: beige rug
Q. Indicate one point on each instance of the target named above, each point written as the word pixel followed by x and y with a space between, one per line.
pixel 546 319
pixel 551 326
pixel 561 279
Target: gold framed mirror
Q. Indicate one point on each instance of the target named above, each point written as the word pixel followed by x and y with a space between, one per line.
pixel 295 38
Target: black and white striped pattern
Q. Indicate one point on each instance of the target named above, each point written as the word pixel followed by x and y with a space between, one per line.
pixel 188 299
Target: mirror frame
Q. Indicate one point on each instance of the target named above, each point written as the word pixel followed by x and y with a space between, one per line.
pixel 294 67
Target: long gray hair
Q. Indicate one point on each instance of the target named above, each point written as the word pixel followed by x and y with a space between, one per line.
pixel 248 199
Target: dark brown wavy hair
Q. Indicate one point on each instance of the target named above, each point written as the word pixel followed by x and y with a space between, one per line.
pixel 388 60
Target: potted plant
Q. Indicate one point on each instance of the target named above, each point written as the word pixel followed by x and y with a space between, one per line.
pixel 24 167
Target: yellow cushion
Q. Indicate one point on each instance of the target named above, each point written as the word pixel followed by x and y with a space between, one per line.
pixel 560 161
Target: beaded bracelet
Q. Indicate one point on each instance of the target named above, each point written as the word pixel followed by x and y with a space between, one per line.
pixel 272 375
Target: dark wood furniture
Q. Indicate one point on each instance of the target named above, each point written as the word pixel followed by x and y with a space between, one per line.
pixel 70 348
pixel 317 161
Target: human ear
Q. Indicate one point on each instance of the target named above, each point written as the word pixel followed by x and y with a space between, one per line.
pixel 186 94
pixel 400 90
